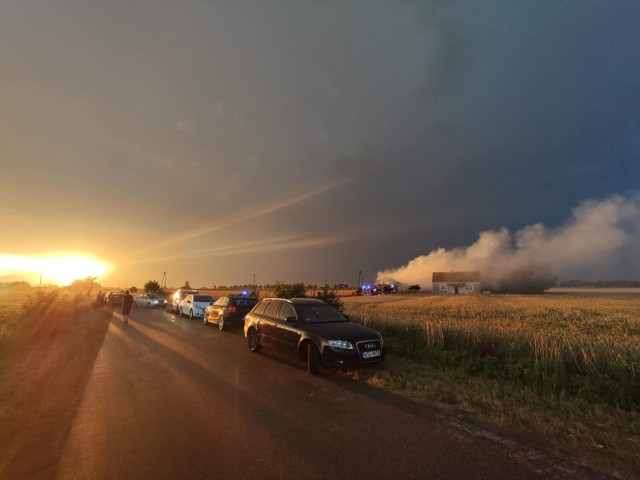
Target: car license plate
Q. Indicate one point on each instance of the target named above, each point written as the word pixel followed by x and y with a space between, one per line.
pixel 371 354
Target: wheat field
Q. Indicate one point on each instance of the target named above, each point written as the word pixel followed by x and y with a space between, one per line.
pixel 558 334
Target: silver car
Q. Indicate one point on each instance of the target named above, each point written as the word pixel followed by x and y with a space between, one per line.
pixel 149 300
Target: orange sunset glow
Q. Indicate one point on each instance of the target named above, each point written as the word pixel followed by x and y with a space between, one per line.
pixel 60 269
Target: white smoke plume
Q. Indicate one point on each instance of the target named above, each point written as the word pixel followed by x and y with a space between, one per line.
pixel 601 240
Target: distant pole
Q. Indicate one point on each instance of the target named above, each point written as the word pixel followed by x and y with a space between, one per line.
pixel 40 284
pixel 254 279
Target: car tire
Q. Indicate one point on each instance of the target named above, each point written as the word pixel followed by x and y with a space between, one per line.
pixel 313 359
pixel 191 314
pixel 148 305
pixel 180 312
pixel 221 323
pixel 252 340
pixel 205 318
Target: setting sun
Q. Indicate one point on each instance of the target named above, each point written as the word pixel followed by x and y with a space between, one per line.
pixel 60 269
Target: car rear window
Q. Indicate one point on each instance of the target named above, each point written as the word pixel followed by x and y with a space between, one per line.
pixel 245 302
pixel 203 298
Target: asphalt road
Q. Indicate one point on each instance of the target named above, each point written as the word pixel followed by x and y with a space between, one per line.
pixel 170 398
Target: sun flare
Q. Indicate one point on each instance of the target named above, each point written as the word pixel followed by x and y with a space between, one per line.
pixel 60 269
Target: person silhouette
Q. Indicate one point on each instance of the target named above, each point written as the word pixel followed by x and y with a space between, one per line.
pixel 127 303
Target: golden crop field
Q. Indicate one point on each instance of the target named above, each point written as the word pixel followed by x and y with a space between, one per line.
pixel 12 304
pixel 556 334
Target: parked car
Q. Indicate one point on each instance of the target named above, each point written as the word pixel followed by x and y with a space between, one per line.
pixel 229 310
pixel 149 300
pixel 194 305
pixel 113 298
pixel 314 330
pixel 178 297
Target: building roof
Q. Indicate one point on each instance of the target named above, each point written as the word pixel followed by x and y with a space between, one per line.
pixel 456 276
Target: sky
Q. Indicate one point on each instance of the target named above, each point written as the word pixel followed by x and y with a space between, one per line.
pixel 305 141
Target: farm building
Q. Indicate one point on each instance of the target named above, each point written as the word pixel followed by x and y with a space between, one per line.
pixel 456 282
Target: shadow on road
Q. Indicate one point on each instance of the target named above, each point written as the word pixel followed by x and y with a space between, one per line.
pixel 266 417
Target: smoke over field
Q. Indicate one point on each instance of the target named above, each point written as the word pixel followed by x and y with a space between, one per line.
pixel 599 241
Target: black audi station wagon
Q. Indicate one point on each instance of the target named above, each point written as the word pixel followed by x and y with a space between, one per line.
pixel 316 331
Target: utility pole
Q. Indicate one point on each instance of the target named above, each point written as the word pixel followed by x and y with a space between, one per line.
pixel 163 282
pixel 360 290
pixel 254 279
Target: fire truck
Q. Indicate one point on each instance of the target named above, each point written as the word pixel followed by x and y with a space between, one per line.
pixel 376 289
pixel 380 287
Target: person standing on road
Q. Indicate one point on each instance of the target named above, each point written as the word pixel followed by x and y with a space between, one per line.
pixel 127 303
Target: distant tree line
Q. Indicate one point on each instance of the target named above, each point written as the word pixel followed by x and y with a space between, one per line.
pixel 14 284
pixel 599 284
pixel 299 290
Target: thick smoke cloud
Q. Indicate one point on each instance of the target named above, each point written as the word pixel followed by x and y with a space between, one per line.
pixel 599 241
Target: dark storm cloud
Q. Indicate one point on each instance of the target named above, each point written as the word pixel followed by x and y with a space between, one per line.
pixel 354 166
pixel 538 106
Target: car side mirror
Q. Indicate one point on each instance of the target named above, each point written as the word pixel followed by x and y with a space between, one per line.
pixel 291 319
pixel 211 303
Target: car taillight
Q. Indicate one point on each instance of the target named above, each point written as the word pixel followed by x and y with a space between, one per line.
pixel 232 309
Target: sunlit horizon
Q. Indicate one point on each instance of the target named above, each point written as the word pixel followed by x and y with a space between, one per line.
pixel 56 268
